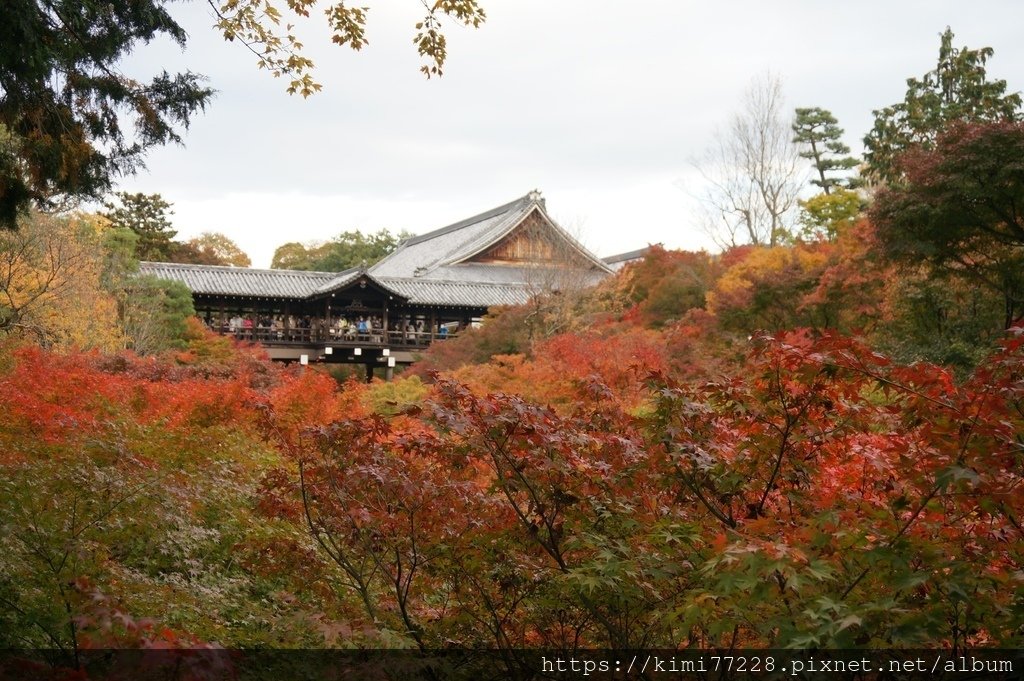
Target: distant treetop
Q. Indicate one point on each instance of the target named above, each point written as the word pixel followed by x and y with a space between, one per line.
pixel 958 89
pixel 349 249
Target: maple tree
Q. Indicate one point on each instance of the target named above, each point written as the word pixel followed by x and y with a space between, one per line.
pixel 726 501
pixel 136 477
pixel 811 493
pixel 52 287
pixel 768 289
pixel 666 284
pixel 504 332
pixel 957 210
pixel 855 284
pixel 664 474
pixel 256 24
pixel 558 370
pixel 829 534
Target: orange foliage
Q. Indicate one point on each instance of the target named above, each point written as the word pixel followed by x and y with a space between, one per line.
pixel 665 285
pixel 561 366
pixel 306 397
pixel 766 288
pixel 57 396
pixel 854 281
pixel 636 475
pixel 62 397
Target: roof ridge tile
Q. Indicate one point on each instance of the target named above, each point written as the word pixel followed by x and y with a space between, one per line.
pixel 486 215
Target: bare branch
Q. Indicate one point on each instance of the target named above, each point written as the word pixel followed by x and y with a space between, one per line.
pixel 753 174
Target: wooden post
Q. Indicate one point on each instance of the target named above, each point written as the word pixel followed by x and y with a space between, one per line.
pixel 325 328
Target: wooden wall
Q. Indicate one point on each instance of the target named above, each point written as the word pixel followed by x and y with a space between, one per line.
pixel 533 242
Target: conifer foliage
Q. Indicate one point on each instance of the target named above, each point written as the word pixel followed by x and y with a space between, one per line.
pixel 70 122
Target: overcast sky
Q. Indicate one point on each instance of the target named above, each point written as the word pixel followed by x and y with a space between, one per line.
pixel 600 105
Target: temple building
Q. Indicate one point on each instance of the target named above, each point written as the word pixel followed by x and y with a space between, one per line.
pixel 430 288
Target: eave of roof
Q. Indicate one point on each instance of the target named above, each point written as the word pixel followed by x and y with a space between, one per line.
pixel 439 293
pixel 213 280
pixel 239 281
pixel 630 255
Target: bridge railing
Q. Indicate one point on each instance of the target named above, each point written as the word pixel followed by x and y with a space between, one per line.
pixel 315 337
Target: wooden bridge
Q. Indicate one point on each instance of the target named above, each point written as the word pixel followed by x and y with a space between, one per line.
pixel 380 350
pixel 430 288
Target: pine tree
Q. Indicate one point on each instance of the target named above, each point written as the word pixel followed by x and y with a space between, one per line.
pixel 148 216
pixel 818 134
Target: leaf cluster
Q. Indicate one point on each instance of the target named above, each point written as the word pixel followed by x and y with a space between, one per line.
pixel 69 121
pixel 257 24
pixel 957 209
pixel 958 89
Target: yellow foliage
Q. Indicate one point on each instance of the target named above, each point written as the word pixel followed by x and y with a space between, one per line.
pixel 760 265
pixel 390 398
pixel 258 25
pixel 50 284
pixel 768 286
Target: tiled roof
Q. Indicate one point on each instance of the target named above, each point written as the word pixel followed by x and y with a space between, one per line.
pixel 421 253
pixel 240 281
pixel 619 261
pixel 425 270
pixel 295 284
pixel 435 254
pixel 626 257
pixel 340 280
pixel 456 293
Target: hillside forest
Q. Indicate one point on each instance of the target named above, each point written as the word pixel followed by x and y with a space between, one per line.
pixel 813 438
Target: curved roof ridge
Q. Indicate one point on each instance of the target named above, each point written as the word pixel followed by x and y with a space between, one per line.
pixel 232 268
pixel 352 274
pixel 483 241
pixel 487 214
